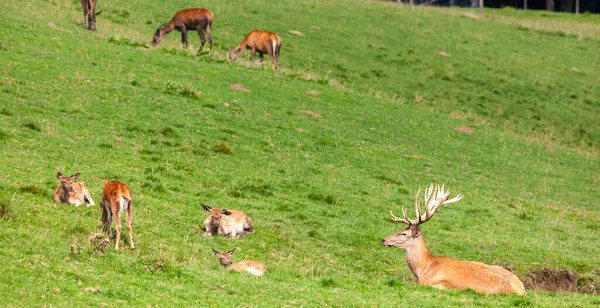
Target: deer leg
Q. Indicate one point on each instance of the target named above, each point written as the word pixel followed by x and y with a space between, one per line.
pixel 184 39
pixel 116 214
pixel 209 36
pixel 129 214
pixel 253 54
pixel 104 216
pixel 87 196
pixel 201 35
pixel 262 57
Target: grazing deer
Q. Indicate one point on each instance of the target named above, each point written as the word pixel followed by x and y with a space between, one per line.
pixel 444 272
pixel 255 268
pixel 259 41
pixel 227 223
pixel 116 198
pixel 71 192
pixel 198 20
pixel 89 13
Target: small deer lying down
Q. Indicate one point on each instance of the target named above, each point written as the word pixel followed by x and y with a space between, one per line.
pixel 444 272
pixel 71 192
pixel 229 223
pixel 255 268
pixel 116 198
pixel 263 42
pixel 198 20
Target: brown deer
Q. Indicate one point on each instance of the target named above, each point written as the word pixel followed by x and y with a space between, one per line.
pixel 89 13
pixel 229 223
pixel 116 198
pixel 199 20
pixel 75 193
pixel 255 268
pixel 259 41
pixel 444 272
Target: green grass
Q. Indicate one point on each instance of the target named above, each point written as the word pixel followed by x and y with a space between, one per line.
pixel 319 190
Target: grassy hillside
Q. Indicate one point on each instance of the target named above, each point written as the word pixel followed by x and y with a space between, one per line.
pixel 319 189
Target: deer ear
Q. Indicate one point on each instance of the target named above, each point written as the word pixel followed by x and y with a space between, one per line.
pixel 230 48
pixel 226 212
pixel 215 252
pixel 416 232
pixel 206 207
pixel 74 176
pixel 231 252
pixel 59 176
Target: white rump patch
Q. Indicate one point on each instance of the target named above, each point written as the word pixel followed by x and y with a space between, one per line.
pixel 123 202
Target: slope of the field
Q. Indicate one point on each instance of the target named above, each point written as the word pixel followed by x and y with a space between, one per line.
pixel 319 185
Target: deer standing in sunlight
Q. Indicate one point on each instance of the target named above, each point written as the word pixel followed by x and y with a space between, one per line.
pixel 259 41
pixel 75 193
pixel 444 272
pixel 229 223
pixel 255 268
pixel 199 20
pixel 89 13
pixel 116 198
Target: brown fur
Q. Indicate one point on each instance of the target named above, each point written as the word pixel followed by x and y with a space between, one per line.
pixel 229 223
pixel 259 41
pixel 199 20
pixel 89 13
pixel 253 267
pixel 448 273
pixel 75 193
pixel 116 197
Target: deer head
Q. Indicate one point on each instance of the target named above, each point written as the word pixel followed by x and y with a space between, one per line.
pixel 91 14
pixel 434 198
pixel 67 181
pixel 234 53
pixel 225 257
pixel 158 35
pixel 216 214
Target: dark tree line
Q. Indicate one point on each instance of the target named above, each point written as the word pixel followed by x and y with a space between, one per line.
pixel 592 6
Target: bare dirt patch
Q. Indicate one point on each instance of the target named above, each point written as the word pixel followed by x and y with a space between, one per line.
pixel 444 54
pixel 238 87
pixel 298 33
pixel 464 129
pixel 313 93
pixel 55 27
pixel 561 280
pixel 311 113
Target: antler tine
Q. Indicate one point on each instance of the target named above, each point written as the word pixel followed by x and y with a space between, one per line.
pixel 398 219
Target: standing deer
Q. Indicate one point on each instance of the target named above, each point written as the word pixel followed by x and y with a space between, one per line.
pixel 116 198
pixel 227 223
pixel 75 193
pixel 89 13
pixel 255 268
pixel 259 41
pixel 199 20
pixel 444 272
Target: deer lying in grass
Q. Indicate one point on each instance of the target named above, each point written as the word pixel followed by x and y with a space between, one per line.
pixel 116 198
pixel 229 223
pixel 198 20
pixel 71 192
pixel 444 272
pixel 255 268
pixel 259 41
pixel 89 13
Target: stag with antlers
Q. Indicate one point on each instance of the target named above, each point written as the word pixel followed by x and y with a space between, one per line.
pixel 444 272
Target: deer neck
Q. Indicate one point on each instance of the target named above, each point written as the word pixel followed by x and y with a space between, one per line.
pixel 418 257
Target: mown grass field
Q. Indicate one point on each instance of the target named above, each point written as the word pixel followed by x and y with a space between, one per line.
pixel 319 189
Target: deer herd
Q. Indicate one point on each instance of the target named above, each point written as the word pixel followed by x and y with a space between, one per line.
pixel 435 271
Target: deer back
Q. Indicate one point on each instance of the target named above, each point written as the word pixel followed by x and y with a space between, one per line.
pixel 116 194
pixel 255 268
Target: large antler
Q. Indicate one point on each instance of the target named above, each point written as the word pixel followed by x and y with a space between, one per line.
pixel 431 205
